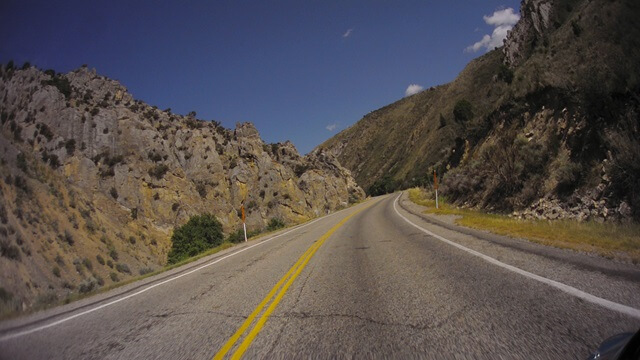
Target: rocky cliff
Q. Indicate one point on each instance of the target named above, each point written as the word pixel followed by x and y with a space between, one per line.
pixel 529 31
pixel 545 127
pixel 93 182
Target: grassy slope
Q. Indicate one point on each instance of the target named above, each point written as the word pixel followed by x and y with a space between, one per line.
pixel 608 240
pixel 405 140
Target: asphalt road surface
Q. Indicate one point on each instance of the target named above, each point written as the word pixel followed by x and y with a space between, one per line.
pixel 377 280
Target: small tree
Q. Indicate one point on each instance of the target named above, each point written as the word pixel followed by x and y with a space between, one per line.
pixel 200 233
pixel 236 237
pixel 70 146
pixel 463 111
pixel 275 224
pixel 505 74
pixel 443 121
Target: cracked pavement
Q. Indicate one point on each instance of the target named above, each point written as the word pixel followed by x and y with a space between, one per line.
pixel 377 288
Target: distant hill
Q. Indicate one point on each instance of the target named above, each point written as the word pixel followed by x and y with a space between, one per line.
pixel 546 125
pixel 93 182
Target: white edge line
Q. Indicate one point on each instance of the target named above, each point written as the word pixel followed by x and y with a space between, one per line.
pixel 627 310
pixel 58 322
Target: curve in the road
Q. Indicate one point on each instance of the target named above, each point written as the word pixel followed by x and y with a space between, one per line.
pixel 624 309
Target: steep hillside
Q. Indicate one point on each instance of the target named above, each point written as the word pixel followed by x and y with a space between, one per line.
pixel 547 124
pixel 93 182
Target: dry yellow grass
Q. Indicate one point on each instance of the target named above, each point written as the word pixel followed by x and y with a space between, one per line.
pixel 620 241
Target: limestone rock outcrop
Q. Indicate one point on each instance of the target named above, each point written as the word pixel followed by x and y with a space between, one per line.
pixel 90 174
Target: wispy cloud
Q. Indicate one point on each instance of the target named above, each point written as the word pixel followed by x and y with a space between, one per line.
pixel 503 20
pixel 347 33
pixel 413 89
pixel 332 127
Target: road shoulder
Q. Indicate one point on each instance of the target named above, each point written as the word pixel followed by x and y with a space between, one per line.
pixel 596 275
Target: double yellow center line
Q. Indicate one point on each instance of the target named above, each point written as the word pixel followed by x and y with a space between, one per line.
pixel 287 280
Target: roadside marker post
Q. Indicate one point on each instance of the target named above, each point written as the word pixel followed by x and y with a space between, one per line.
pixel 435 186
pixel 244 224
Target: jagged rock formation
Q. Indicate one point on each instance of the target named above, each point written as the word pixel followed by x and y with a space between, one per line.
pixel 93 182
pixel 546 126
pixel 531 29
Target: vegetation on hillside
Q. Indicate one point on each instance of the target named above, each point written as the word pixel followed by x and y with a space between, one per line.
pixel 562 124
pixel 606 239
pixel 200 233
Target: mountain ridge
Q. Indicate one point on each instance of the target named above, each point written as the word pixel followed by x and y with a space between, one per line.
pixel 94 181
pixel 544 127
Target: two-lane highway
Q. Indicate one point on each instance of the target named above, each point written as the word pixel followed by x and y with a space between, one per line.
pixel 373 281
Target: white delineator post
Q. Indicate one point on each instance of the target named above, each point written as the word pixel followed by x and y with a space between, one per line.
pixel 435 185
pixel 244 224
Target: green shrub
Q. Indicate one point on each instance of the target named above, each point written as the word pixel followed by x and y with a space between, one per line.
pixel 158 171
pixel 113 192
pixel 78 265
pixel 577 29
pixel 443 121
pixel 154 156
pixel 100 259
pixel 68 238
pixel 567 174
pixel 201 189
pixel 145 271
pixel 463 111
pixel 45 131
pixel 22 162
pixel 9 251
pixel 91 226
pixel 56 271
pixel 505 74
pixel 275 224
pixel 300 169
pixel 52 159
pixel 236 237
pixel 383 186
pixel 62 84
pixel 123 268
pixel 200 233
pixel 114 254
pixel 70 146
pixel 114 277
pixel 5 295
pixel 624 167
pixel 87 285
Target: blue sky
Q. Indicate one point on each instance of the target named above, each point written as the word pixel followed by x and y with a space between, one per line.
pixel 294 68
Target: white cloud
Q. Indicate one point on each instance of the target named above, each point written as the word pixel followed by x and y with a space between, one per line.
pixel 413 89
pixel 331 127
pixel 347 33
pixel 503 20
pixel 502 17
